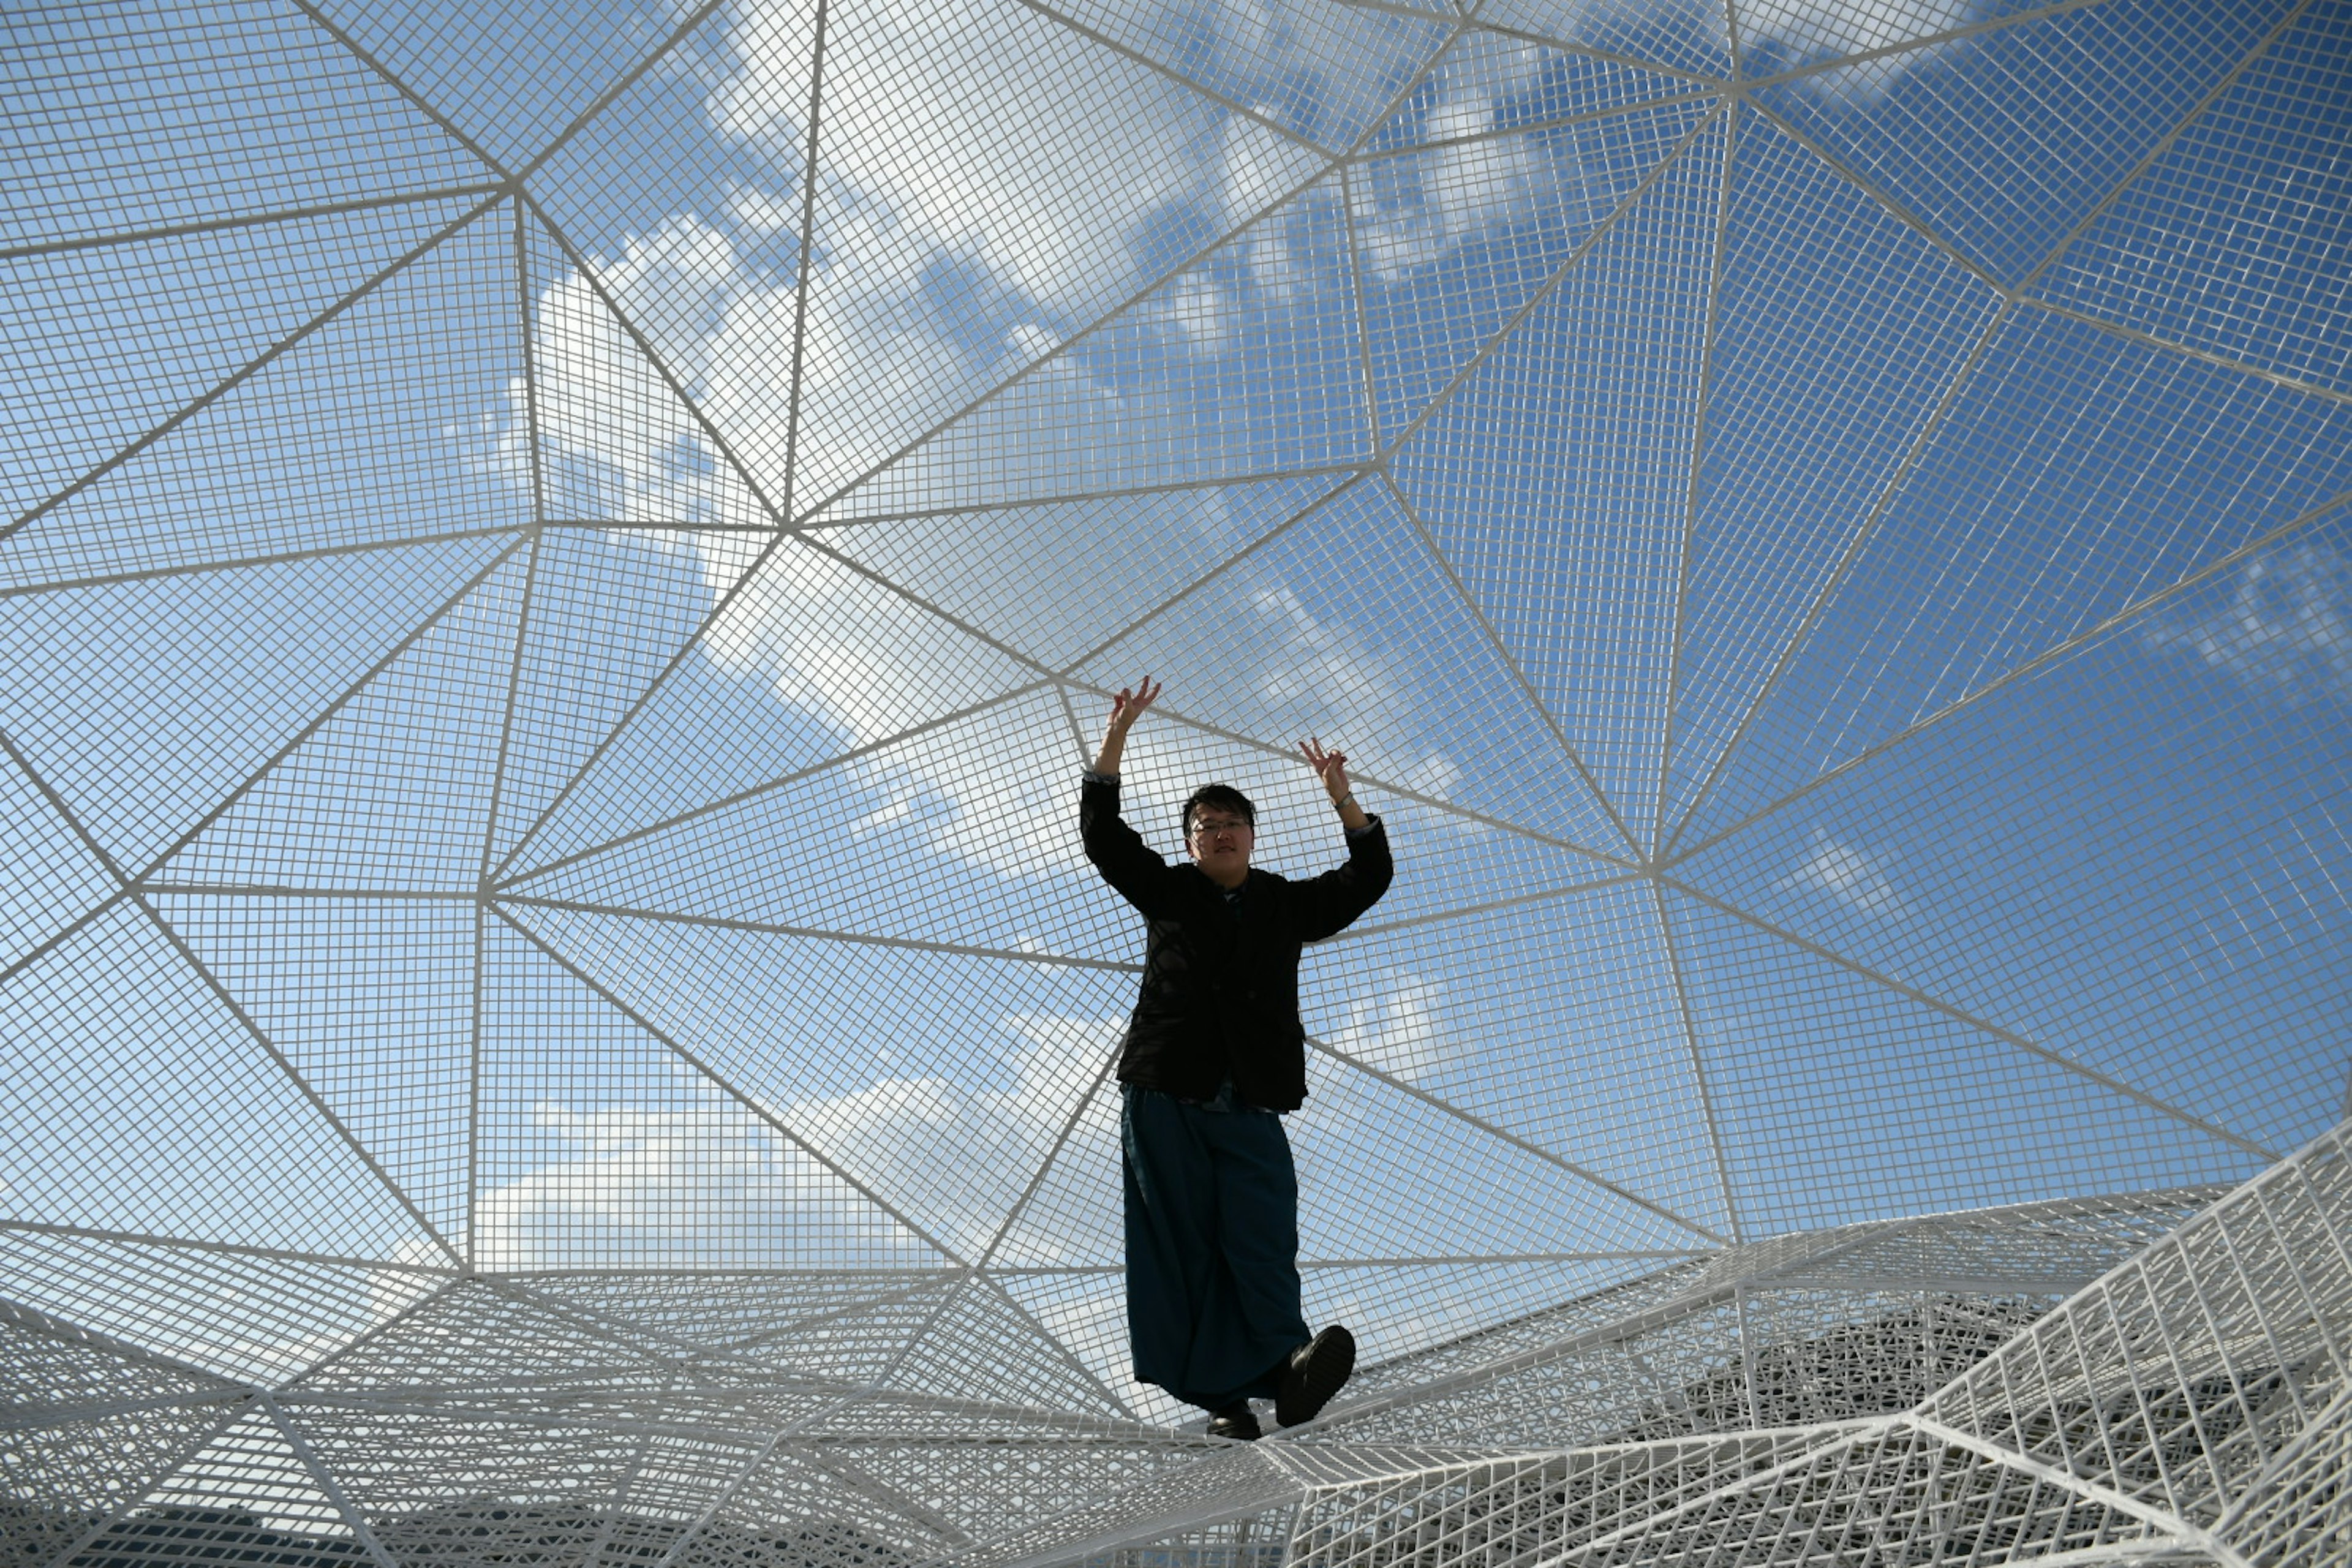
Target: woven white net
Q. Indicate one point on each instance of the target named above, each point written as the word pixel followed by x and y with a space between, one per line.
pixel 560 567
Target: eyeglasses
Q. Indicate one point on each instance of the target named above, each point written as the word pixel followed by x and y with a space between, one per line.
pixel 1202 829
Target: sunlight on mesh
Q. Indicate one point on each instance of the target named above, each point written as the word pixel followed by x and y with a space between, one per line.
pixel 561 566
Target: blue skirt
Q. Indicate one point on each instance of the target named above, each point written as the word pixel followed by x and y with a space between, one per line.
pixel 1211 1246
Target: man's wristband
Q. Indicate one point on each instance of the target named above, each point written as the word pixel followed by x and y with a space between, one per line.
pixel 1341 803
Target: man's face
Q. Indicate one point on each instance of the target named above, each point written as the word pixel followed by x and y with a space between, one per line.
pixel 1221 840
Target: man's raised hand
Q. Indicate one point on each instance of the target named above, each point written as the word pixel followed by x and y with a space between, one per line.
pixel 1331 766
pixel 1131 702
pixel 1124 708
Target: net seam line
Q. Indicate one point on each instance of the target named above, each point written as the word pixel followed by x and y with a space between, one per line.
pixel 916 1283
pixel 804 267
pixel 1705 81
pixel 1208 248
pixel 187 955
pixel 350 694
pixel 2016 672
pixel 1054 1340
pixel 1036 1183
pixel 1014 1216
pixel 645 1339
pixel 1509 661
pixel 1843 62
pixel 361 547
pixel 1549 286
pixel 372 1333
pixel 822 933
pixel 300 1446
pixel 1693 484
pixel 1683 1013
pixel 1356 474
pixel 383 73
pixel 1490 906
pixel 1926 41
pixel 2312 389
pixel 817 524
pixel 618 89
pixel 28 1417
pixel 301 1082
pixel 1514 1140
pixel 1360 311
pixel 527 337
pixel 878 1490
pixel 504 755
pixel 1136 57
pixel 726 1085
pixel 1983 1026
pixel 2051 1475
pixel 2011 299
pixel 1884 199
pixel 59 939
pixel 1898 476
pixel 504 885
pixel 2164 145
pixel 251 220
pixel 586 271
pixel 1369 156
pixel 1449 808
pixel 229 1248
pixel 1403 93
pixel 239 377
pixel 196 1446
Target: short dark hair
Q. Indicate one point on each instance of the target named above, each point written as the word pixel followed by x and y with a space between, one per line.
pixel 1219 794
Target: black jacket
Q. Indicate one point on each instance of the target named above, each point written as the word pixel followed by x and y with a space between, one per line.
pixel 1220 994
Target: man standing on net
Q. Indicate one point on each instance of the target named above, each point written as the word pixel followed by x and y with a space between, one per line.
pixel 1215 1054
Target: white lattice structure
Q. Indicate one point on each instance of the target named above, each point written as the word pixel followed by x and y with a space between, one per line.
pixel 560 563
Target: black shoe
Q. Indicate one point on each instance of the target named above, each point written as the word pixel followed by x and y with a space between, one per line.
pixel 1236 1423
pixel 1315 1372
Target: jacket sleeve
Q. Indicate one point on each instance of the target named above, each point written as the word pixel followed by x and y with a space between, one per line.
pixel 1330 902
pixel 1118 851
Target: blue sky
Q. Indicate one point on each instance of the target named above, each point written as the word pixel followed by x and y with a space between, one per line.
pixel 2098 898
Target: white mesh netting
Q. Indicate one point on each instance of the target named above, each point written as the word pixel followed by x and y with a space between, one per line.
pixel 559 565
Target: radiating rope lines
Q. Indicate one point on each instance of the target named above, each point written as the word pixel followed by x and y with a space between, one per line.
pixel 750 1102
pixel 1884 199
pixel 423 106
pixel 254 220
pixel 1237 108
pixel 1694 481
pixel 1510 662
pixel 195 830
pixel 2311 389
pixel 1684 1016
pixel 753 792
pixel 1552 282
pixel 1982 1024
pixel 2104 628
pixel 1819 602
pixel 1505 1136
pixel 2012 298
pixel 227 1000
pixel 251 368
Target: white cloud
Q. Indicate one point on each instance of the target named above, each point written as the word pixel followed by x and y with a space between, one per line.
pixel 2285 626
pixel 1849 876
pixel 690 1178
pixel 1827 29
pixel 1399 1029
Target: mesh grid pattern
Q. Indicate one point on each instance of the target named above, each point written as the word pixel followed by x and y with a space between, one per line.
pixel 560 567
